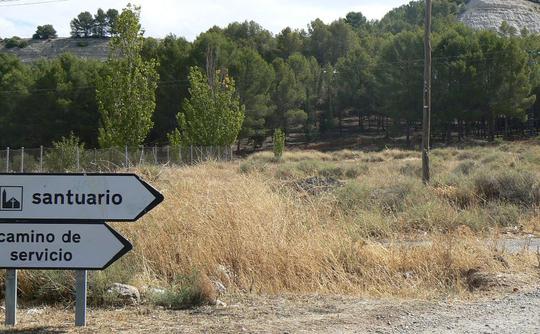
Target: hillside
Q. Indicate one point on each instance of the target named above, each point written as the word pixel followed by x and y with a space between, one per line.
pixel 478 14
pixel 490 14
pixel 93 48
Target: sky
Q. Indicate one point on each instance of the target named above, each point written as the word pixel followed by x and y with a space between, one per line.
pixel 186 18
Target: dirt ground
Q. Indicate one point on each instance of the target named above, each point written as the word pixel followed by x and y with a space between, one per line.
pixel 510 311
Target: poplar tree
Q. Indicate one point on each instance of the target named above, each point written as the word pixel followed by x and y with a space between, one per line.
pixel 126 94
pixel 213 115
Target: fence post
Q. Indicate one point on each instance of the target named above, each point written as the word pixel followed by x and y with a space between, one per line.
pixel 41 159
pixel 7 160
pixel 127 157
pixel 95 159
pixel 155 155
pixel 180 162
pixel 168 155
pixel 22 159
pixel 78 159
pixel 141 160
pixel 190 154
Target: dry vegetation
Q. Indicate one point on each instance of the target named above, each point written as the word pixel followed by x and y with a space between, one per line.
pixel 326 223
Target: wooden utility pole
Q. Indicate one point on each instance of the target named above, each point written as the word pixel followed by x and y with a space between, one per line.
pixel 426 124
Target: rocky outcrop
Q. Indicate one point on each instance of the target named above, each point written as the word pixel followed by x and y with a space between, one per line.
pixel 490 14
pixel 91 48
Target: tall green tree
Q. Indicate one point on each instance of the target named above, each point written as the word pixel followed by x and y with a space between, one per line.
pixel 253 77
pixel 287 95
pixel 173 54
pixel 100 24
pixel 126 94
pixel 213 114
pixel 503 87
pixel 290 42
pixel 356 83
pixel 46 31
pixel 15 82
pixel 308 75
pixel 400 78
pixel 82 25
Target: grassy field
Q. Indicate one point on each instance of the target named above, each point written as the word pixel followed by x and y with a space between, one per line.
pixel 328 223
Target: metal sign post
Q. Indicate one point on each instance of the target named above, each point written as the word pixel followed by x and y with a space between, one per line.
pixel 80 298
pixel 11 297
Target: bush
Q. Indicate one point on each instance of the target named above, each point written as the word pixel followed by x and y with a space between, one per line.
pixel 15 42
pixel 47 286
pixel 352 196
pixel 65 155
pixel 501 214
pixel 465 167
pixel 411 169
pixel 392 198
pixel 251 166
pixel 353 172
pixel 468 155
pixel 194 290
pixel 45 32
pixel 279 144
pixel 516 187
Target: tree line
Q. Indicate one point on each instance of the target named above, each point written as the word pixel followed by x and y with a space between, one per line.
pixel 311 82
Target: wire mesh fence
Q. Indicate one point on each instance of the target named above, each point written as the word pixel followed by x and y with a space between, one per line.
pixel 75 159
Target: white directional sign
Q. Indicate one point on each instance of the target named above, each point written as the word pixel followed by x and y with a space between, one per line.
pixel 75 197
pixel 60 246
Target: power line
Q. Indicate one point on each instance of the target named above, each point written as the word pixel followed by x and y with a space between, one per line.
pixel 27 3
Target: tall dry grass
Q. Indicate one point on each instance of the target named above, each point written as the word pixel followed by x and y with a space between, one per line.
pixel 251 235
pixel 255 229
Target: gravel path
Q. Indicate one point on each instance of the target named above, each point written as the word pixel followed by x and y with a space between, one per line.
pixel 513 313
pixel 519 313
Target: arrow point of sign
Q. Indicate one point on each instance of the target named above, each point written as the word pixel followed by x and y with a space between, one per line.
pixel 126 249
pixel 158 197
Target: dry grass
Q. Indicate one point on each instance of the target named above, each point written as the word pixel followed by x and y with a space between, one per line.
pixel 250 230
pixel 217 221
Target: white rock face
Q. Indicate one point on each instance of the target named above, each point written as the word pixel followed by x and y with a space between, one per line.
pixel 490 14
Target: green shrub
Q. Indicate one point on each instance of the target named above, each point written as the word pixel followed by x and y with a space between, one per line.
pixel 65 155
pixel 516 187
pixel 287 171
pixel 100 281
pixel 501 214
pixel 331 171
pixel 352 196
pixel 47 286
pixel 392 198
pixel 468 155
pixel 474 218
pixel 411 169
pixel 250 166
pixel 465 167
pixel 14 42
pixel 353 172
pixel 429 216
pixel 369 223
pixel 279 143
pixel 194 290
